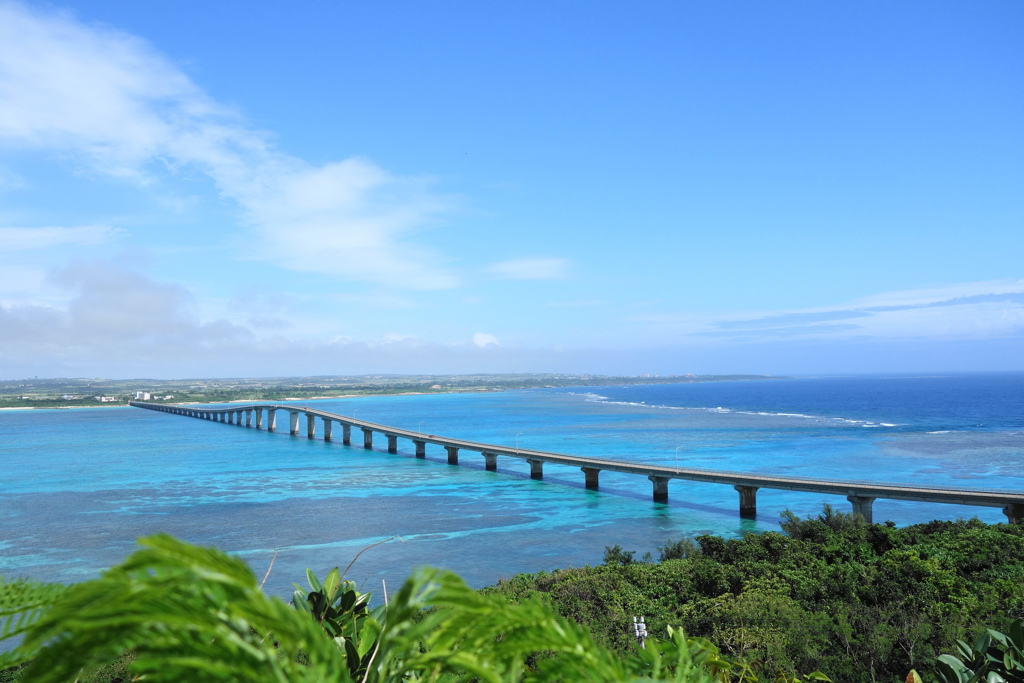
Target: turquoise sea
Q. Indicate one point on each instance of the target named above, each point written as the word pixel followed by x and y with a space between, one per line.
pixel 78 486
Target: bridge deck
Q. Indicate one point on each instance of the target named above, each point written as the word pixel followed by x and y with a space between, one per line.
pixel 934 494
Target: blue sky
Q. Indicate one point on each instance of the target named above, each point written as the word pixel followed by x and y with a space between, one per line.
pixel 239 188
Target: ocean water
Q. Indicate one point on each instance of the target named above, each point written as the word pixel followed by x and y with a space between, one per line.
pixel 77 487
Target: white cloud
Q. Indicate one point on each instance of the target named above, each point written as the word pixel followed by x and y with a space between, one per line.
pixel 121 323
pixel 394 337
pixel 118 107
pixel 972 310
pixel 536 268
pixel 24 239
pixel 912 297
pixel 483 340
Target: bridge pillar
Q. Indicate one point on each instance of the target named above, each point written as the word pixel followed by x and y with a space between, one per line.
pixel 221 417
pixel 392 443
pixel 748 500
pixel 421 448
pixel 310 426
pixel 231 417
pixel 271 419
pixel 367 438
pixel 259 418
pixel 453 454
pixel 490 461
pixel 293 422
pixel 536 468
pixel 1014 513
pixel 590 474
pixel 248 418
pixel 327 428
pixel 346 434
pixel 862 506
pixel 660 488
pixel 238 417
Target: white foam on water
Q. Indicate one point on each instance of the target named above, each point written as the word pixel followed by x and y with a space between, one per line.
pixel 597 398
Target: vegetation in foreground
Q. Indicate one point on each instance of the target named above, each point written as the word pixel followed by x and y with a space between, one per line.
pixel 857 601
pixel 197 614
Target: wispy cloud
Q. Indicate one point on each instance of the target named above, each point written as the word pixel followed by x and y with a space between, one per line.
pixel 969 310
pixel 25 239
pixel 115 105
pixel 536 268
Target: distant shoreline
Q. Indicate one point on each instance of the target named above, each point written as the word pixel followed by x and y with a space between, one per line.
pixel 366 391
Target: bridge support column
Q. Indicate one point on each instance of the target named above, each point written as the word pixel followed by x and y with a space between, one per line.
pixel 590 475
pixel 536 469
pixel 490 461
pixel 293 423
pixel 310 426
pixel 660 488
pixel 228 418
pixel 238 418
pixel 367 438
pixel 259 418
pixel 748 501
pixel 421 448
pixel 346 434
pixel 327 428
pixel 392 443
pixel 248 418
pixel 862 506
pixel 1014 513
pixel 271 419
pixel 453 454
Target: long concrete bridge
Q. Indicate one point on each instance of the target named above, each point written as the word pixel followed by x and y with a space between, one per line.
pixel 860 494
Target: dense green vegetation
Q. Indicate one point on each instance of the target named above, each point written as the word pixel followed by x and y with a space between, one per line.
pixel 197 614
pixel 859 602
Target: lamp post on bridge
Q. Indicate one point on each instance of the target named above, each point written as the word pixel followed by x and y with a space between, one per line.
pixel 419 427
pixel 677 457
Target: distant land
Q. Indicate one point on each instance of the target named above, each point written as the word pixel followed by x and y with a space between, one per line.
pixel 82 392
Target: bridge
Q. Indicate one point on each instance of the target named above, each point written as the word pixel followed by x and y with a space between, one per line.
pixel 861 495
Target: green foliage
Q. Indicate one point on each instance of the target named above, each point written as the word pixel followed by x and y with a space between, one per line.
pixel 995 657
pixel 860 602
pixel 342 612
pixel 616 555
pixel 677 550
pixel 186 613
pixel 22 603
